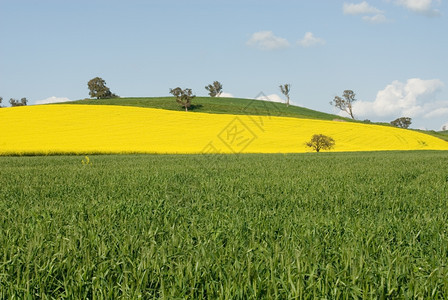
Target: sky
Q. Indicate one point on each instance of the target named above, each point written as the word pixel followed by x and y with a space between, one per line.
pixel 392 53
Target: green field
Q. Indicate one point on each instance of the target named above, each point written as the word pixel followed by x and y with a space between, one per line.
pixel 327 225
pixel 235 106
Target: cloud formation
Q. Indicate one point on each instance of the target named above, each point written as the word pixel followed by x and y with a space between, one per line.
pixel 310 40
pixel 415 98
pixel 266 40
pixel 52 99
pixel 271 97
pixel 424 7
pixel 370 13
pixel 376 19
pixel 362 8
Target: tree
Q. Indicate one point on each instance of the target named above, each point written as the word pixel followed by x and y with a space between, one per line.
pixel 214 89
pixel 183 97
pixel 443 128
pixel 285 88
pixel 98 89
pixel 1 99
pixel 320 142
pixel 15 102
pixel 402 122
pixel 345 102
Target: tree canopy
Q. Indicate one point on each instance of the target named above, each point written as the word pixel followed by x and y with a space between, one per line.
pixel 98 89
pixel 320 142
pixel 15 102
pixel 345 103
pixel 214 89
pixel 403 122
pixel 183 96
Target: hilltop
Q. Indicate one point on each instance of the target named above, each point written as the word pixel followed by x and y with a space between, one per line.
pixel 234 106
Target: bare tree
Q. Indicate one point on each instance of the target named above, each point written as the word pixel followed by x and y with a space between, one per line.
pixel 403 122
pixel 320 142
pixel 285 88
pixel 214 89
pixel 345 103
pixel 183 97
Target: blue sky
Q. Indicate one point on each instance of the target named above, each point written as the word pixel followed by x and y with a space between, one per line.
pixel 391 53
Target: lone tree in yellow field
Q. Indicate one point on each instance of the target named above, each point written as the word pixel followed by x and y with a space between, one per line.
pixel 183 97
pixel 345 102
pixel 320 142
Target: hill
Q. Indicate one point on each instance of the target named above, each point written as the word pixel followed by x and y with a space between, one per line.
pixel 234 106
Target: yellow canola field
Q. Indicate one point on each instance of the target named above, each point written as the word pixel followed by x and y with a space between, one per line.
pixel 46 129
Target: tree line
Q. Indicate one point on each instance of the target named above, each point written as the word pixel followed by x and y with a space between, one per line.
pixel 14 102
pixel 98 89
pixel 184 97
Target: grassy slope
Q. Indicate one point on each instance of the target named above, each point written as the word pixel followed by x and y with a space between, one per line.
pixel 235 106
pixel 440 134
pixel 219 106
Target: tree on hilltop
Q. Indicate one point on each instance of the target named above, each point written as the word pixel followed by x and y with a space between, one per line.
pixel 183 96
pixel 345 103
pixel 285 88
pixel 98 89
pixel 403 122
pixel 320 142
pixel 1 99
pixel 15 102
pixel 214 89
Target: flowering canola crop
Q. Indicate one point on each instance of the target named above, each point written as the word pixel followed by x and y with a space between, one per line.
pixel 47 129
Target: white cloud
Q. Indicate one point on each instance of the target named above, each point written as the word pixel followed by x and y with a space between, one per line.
pixel 377 19
pixel 266 40
pixel 226 95
pixel 424 7
pixel 441 111
pixel 271 97
pixel 52 99
pixel 310 40
pixel 415 98
pixel 362 8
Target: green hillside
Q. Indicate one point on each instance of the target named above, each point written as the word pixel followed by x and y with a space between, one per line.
pixel 219 106
pixel 235 106
pixel 440 134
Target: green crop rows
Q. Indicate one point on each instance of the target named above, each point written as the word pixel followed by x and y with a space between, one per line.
pixel 327 225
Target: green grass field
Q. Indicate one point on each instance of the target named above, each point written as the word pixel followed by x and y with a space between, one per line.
pixel 303 226
pixel 218 106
